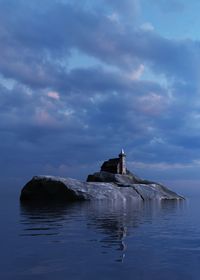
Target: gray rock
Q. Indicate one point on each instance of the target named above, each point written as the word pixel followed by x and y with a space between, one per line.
pixel 120 187
pixel 129 178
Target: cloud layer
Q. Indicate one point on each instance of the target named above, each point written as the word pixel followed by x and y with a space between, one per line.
pixel 80 81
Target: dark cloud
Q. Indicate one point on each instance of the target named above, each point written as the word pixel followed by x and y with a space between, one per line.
pixel 40 38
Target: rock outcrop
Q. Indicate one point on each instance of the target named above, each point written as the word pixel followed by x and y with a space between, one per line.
pixel 99 186
pixel 129 178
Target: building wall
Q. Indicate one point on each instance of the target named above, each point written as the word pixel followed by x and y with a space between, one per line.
pixel 122 164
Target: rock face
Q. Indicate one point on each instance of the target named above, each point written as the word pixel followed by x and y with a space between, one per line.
pixel 99 186
pixel 129 178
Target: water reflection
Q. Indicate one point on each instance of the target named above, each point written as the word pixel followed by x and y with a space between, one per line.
pixel 108 224
pixel 116 221
pixel 43 219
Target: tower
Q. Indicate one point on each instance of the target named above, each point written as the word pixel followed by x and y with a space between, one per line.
pixel 122 162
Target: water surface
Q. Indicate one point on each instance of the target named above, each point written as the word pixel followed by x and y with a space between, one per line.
pixel 100 240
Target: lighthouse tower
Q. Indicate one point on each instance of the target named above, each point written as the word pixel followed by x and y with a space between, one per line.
pixel 122 162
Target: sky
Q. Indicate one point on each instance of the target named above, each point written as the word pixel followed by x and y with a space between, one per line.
pixel 79 80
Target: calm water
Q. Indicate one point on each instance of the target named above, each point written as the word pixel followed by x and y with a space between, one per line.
pixel 100 241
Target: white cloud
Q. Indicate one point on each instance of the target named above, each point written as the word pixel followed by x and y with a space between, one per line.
pixel 147 26
pixel 136 74
pixel 54 95
pixel 157 140
pixel 114 17
pixel 161 165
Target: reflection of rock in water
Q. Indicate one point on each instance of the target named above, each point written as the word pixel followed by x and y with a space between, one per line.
pixel 116 220
pixel 112 222
pixel 39 219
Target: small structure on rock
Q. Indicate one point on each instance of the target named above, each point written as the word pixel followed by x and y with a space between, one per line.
pixel 114 182
pixel 115 165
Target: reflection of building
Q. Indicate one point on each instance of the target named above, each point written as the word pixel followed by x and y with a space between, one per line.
pixel 115 165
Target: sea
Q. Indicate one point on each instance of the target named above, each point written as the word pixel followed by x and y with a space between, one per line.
pixel 100 240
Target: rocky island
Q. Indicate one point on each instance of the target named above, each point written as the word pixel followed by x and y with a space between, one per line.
pixel 113 182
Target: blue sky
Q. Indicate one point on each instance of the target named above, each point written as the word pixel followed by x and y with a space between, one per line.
pixel 172 18
pixel 79 80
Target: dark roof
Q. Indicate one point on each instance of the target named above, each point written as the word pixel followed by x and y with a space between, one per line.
pixel 110 165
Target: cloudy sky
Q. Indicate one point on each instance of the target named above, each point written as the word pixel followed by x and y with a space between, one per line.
pixel 79 80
